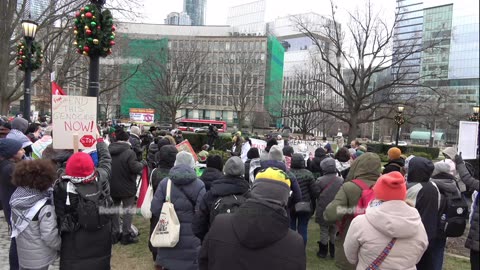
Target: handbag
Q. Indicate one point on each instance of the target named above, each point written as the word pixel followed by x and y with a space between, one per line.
pixel 303 207
pixel 375 265
pixel 167 230
pixel 147 200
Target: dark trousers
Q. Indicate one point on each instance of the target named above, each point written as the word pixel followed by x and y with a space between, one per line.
pixel 438 252
pixel 426 262
pixel 153 223
pixel 127 207
pixel 12 255
pixel 474 259
pixel 299 222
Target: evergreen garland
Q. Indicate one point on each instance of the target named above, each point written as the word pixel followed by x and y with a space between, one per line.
pixel 94 31
pixel 36 53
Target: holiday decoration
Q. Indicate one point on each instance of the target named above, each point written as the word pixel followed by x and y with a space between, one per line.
pixel 94 31
pixel 36 56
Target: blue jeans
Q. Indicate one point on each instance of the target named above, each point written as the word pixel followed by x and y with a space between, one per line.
pixel 300 222
pixel 438 248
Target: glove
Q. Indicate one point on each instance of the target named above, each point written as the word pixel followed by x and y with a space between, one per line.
pixel 458 159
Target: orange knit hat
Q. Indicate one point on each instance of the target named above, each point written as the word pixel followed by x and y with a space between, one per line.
pixel 394 153
pixel 390 186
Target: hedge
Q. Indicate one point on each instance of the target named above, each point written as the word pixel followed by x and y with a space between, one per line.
pixel 421 151
pixel 197 140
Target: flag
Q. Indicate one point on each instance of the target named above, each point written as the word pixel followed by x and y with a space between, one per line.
pixel 143 187
pixel 57 90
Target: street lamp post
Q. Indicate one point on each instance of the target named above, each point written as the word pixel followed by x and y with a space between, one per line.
pixel 399 120
pixel 29 31
pixel 94 68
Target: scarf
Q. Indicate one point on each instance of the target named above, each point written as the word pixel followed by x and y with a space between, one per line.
pixel 25 203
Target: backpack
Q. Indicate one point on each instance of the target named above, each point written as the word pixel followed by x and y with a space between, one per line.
pixel 226 205
pixel 365 199
pixel 402 168
pixel 454 214
pixel 92 197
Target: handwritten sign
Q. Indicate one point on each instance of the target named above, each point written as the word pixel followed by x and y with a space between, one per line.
pixel 142 116
pixel 467 139
pixel 187 147
pixel 260 144
pixel 72 115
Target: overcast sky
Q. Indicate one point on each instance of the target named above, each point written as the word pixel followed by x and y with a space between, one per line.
pixel 155 11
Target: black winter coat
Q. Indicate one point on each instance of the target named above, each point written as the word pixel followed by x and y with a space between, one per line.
pixel 395 165
pixel 125 169
pixel 472 184
pixel 314 165
pixel 227 185
pixel 6 186
pixel 304 178
pixel 209 176
pixel 83 249
pixel 295 187
pixel 165 159
pixel 136 146
pixel 255 237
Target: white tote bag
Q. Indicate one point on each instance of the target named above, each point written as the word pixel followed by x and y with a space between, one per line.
pixel 167 231
pixel 147 201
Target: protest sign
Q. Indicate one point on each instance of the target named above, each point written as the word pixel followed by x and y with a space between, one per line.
pixel 142 116
pixel 186 146
pixel 307 148
pixel 467 139
pixel 260 144
pixel 74 116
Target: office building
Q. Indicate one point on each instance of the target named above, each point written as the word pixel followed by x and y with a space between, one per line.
pixel 178 18
pixel 248 19
pixel 197 10
pixel 35 9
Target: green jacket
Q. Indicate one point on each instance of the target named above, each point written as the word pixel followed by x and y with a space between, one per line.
pixel 367 167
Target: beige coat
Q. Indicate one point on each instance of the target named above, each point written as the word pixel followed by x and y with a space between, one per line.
pixel 369 234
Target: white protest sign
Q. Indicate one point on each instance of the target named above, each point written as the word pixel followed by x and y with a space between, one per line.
pixel 467 139
pixel 307 148
pixel 74 115
pixel 260 144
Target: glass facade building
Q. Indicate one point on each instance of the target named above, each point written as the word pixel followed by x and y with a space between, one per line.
pixel 178 18
pixel 248 18
pixel 196 9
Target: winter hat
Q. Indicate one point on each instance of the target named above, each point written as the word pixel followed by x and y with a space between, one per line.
pixel 394 153
pixel 270 143
pixel 390 186
pixel 215 161
pixel 202 156
pixel 20 124
pixel 234 167
pixel 121 135
pixel 450 152
pixel 320 152
pixel 9 147
pixel 288 151
pixel 163 142
pixel 253 153
pixel 451 164
pixel 275 153
pixel 80 168
pixel 441 167
pixel 135 130
pixel 17 135
pixel 185 158
pixel 271 185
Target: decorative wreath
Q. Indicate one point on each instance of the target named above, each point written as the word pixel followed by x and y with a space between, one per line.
pixel 36 53
pixel 94 31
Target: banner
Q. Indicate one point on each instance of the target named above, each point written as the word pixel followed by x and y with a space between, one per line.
pixel 74 115
pixel 142 116
pixel 260 144
pixel 57 90
pixel 467 139
pixel 306 148
pixel 187 147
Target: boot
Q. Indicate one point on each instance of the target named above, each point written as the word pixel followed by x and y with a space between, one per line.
pixel 331 248
pixel 128 239
pixel 322 250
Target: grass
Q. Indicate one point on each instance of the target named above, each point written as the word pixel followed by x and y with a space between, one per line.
pixel 138 256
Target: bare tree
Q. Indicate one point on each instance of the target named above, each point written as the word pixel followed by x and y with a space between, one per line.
pixel 354 60
pixel 173 78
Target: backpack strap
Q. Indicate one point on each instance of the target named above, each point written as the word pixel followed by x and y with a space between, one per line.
pixel 375 265
pixel 361 184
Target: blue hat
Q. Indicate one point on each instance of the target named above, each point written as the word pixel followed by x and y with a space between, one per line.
pixel 9 147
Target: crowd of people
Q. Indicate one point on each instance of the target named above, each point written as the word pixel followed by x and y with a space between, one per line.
pixel 250 211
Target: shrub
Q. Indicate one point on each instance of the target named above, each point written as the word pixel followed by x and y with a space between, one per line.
pixel 197 140
pixel 225 155
pixel 422 154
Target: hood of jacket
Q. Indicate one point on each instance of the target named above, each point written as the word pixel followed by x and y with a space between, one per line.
pixel 420 169
pixel 298 162
pixel 118 148
pixel 394 218
pixel 328 166
pixel 258 224
pixel 399 161
pixel 274 163
pixel 445 182
pixel 211 174
pixel 153 148
pixel 320 152
pixel 166 156
pixel 366 167
pixel 227 185
pixel 182 175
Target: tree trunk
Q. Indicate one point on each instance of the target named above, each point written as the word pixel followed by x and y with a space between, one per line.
pixel 304 134
pixel 4 106
pixel 353 128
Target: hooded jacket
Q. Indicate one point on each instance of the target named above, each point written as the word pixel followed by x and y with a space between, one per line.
pixel 472 184
pixel 423 194
pixel 394 165
pixel 325 188
pixel 259 238
pixel 165 160
pixel 366 168
pixel 369 234
pixel 136 143
pixel 186 195
pixel 320 154
pixel 227 185
pixel 296 195
pixel 304 178
pixel 209 176
pixel 125 169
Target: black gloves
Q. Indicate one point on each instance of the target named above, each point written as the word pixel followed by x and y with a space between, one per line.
pixel 458 159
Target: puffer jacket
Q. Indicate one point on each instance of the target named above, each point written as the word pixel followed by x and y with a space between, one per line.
pixel 165 159
pixel 304 178
pixel 39 243
pixel 136 146
pixel 472 184
pixel 210 175
pixel 186 195
pixel 366 168
pixel 125 169
pixel 82 249
pixel 369 234
pixel 325 188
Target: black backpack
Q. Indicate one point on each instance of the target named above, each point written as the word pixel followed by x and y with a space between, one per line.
pixel 454 216
pixel 226 205
pixel 92 199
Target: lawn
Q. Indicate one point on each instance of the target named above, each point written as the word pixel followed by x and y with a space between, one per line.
pixel 138 257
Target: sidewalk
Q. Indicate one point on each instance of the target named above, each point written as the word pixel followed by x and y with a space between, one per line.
pixel 5 246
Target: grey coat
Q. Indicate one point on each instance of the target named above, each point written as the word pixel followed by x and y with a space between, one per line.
pixel 472 184
pixel 39 243
pixel 187 193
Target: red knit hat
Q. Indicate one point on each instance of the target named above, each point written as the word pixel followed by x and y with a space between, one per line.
pixel 390 186
pixel 80 168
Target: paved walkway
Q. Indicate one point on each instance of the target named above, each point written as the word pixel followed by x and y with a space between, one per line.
pixel 5 246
